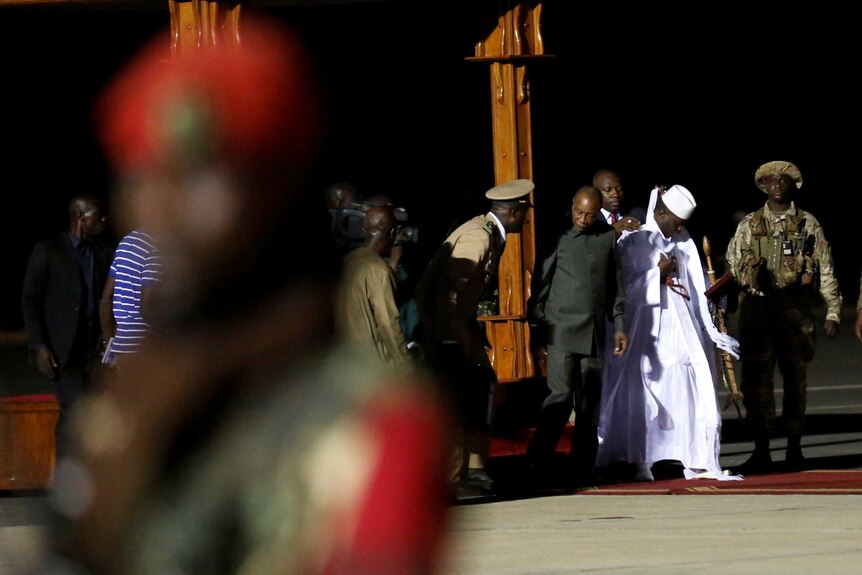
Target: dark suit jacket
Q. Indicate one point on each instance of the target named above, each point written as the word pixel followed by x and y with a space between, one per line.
pixel 53 294
pixel 579 290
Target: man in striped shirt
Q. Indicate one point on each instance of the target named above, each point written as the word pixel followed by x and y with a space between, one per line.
pixel 132 278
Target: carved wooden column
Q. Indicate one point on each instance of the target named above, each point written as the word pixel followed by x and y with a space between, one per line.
pixel 200 24
pixel 511 44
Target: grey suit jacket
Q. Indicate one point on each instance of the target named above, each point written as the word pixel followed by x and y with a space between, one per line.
pixel 580 290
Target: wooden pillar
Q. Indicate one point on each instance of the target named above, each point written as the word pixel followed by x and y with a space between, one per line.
pixel 201 24
pixel 513 41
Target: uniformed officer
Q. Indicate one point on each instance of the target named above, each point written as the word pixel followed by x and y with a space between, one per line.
pixel 454 342
pixel 781 259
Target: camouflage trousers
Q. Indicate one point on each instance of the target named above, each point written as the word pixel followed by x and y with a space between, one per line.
pixel 775 330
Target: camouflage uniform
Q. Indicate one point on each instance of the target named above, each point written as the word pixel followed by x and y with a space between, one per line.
pixel 776 322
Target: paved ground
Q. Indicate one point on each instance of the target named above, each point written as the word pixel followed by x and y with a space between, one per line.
pixel 638 534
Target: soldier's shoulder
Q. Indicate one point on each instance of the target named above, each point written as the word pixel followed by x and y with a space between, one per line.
pixel 479 227
pixel 746 222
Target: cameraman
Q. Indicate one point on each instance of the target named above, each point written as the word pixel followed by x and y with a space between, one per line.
pixel 350 227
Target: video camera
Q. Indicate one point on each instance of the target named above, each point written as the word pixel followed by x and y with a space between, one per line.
pixel 406 234
pixel 348 225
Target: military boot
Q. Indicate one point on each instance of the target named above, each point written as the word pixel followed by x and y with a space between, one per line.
pixel 793 459
pixel 760 461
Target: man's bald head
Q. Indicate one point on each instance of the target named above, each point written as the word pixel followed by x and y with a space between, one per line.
pixel 340 194
pixel 380 228
pixel 587 192
pixel 585 207
pixel 379 217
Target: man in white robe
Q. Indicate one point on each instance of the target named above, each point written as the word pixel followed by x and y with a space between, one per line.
pixel 659 401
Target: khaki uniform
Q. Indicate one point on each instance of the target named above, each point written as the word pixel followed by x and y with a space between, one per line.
pixel 365 308
pixel 776 322
pixel 448 298
pixel 448 294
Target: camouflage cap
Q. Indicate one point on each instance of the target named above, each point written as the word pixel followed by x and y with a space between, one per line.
pixel 777 167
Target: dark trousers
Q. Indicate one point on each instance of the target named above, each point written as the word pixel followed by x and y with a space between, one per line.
pixel 470 387
pixel 574 381
pixel 775 330
pixel 76 378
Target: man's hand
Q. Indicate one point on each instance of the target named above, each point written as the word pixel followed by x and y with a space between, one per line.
pixel 395 257
pixel 830 328
pixel 47 364
pixel 626 223
pixel 666 265
pixel 726 342
pixel 621 343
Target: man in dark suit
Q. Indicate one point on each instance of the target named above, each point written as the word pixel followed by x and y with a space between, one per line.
pixel 608 183
pixel 578 293
pixel 62 286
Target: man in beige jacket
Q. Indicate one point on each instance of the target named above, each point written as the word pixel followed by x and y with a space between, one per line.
pixel 365 308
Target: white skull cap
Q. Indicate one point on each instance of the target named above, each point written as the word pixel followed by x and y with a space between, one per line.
pixel 679 201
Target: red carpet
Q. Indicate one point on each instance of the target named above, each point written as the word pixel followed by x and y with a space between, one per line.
pixel 516 442
pixel 815 482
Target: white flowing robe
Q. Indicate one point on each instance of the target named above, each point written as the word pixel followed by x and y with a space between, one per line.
pixel 658 399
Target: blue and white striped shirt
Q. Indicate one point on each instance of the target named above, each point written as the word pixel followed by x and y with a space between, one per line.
pixel 136 264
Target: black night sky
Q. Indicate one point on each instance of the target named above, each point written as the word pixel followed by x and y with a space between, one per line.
pixel 699 99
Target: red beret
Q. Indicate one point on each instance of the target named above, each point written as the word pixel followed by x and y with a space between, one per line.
pixel 250 106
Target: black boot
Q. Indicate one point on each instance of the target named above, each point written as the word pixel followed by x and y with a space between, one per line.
pixel 793 460
pixel 760 461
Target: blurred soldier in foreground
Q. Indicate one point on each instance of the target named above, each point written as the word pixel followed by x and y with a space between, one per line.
pixel 242 439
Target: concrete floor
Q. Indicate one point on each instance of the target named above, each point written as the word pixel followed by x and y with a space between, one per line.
pixel 644 534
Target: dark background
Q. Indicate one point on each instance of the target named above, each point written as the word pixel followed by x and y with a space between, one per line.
pixel 699 99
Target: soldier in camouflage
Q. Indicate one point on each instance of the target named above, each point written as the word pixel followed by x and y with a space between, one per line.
pixel 781 259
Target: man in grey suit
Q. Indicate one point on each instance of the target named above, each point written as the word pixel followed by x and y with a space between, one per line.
pixel 60 304
pixel 579 292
